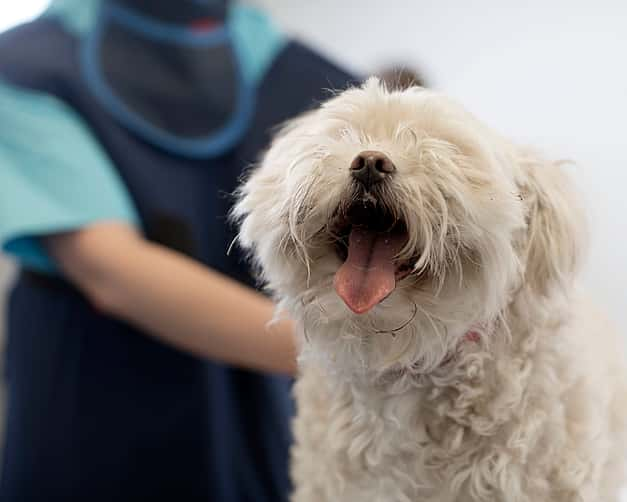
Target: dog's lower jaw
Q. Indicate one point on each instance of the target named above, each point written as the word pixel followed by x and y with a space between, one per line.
pixel 503 423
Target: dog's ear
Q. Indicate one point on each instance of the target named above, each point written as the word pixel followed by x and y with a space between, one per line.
pixel 264 206
pixel 556 226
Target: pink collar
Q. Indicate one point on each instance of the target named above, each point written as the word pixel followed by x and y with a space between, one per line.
pixel 472 336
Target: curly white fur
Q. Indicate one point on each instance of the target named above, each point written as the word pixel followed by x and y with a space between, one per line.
pixel 391 410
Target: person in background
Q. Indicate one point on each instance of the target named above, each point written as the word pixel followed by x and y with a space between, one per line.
pixel 136 345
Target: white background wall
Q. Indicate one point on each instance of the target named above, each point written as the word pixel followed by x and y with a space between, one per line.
pixel 13 11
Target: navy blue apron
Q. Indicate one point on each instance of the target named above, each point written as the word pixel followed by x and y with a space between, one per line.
pixel 97 410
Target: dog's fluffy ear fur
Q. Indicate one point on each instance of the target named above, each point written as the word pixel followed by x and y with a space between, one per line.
pixel 556 225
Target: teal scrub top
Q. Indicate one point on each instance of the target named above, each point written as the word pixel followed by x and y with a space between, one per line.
pixel 54 176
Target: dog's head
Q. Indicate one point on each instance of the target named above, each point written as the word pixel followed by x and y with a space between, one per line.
pixel 392 223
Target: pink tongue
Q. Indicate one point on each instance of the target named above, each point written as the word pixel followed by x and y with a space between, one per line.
pixel 369 273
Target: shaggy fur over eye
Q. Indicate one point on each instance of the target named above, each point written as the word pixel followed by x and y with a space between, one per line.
pixel 446 352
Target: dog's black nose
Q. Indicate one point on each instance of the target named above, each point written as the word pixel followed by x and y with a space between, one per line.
pixel 371 167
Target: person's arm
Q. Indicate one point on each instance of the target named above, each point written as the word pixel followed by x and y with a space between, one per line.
pixel 174 298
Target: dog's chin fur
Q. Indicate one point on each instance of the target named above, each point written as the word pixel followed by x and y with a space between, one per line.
pixel 399 404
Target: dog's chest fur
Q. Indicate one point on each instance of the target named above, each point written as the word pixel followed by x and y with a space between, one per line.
pixel 516 428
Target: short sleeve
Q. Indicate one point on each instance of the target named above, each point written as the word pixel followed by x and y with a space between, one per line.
pixel 54 176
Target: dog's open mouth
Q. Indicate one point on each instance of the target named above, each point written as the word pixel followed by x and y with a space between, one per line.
pixel 369 240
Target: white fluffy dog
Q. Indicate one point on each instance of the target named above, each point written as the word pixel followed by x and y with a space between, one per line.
pixel 430 264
